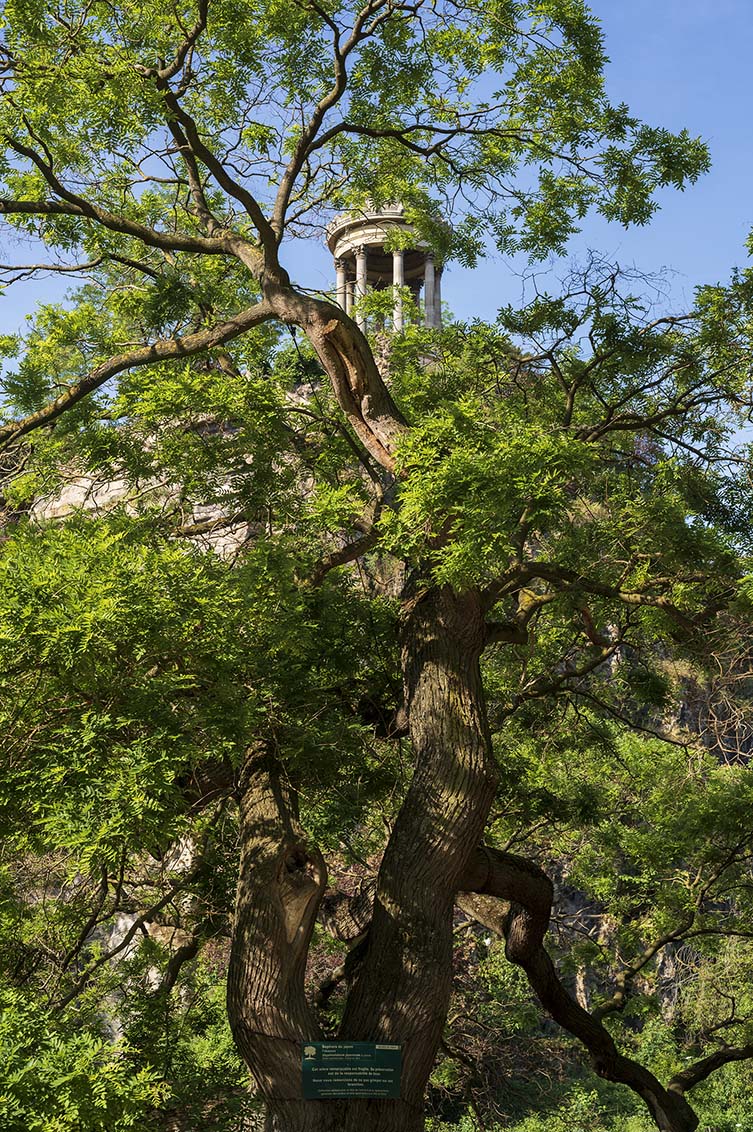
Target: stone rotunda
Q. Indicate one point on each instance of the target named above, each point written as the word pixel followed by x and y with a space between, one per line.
pixel 362 263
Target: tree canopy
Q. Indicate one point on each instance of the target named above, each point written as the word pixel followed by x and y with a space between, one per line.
pixel 324 654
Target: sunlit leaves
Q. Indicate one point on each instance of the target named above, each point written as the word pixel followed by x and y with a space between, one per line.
pixel 473 479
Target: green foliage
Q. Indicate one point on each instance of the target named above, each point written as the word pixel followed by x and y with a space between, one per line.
pixel 646 827
pixel 158 657
pixel 528 75
pixel 122 635
pixel 579 1111
pixel 503 991
pixel 570 460
pixel 59 1078
pixel 186 1040
pixel 549 451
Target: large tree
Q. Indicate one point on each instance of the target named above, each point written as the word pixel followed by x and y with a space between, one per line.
pixel 556 503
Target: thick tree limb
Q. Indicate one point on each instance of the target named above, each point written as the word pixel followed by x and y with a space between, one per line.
pixel 170 241
pixel 346 358
pixel 505 632
pixel 182 955
pixel 694 1074
pixel 346 917
pixel 343 555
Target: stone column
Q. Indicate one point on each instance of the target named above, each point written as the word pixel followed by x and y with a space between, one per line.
pixel 398 281
pixel 342 284
pixel 438 297
pixel 429 290
pixel 349 297
pixel 361 282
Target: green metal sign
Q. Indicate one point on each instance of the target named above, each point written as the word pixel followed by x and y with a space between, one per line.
pixel 350 1069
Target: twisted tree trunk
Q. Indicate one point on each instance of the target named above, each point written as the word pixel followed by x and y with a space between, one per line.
pixel 402 992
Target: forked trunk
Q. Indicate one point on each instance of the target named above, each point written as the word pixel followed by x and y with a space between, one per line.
pixel 402 990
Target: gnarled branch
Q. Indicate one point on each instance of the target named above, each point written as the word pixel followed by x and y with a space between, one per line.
pixel 522 920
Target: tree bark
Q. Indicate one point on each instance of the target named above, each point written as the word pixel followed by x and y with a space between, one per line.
pixel 402 991
pixel 346 357
pixel 280 884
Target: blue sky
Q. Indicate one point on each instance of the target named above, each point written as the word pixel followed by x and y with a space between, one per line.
pixel 688 63
pixel 676 63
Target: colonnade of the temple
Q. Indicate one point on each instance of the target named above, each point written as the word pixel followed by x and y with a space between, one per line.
pixel 360 245
pixel 352 284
